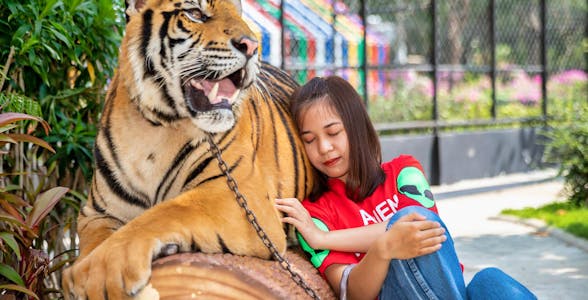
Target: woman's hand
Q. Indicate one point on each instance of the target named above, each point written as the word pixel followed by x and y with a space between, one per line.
pixel 297 215
pixel 409 237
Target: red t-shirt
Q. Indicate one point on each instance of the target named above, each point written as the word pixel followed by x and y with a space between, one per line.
pixel 405 185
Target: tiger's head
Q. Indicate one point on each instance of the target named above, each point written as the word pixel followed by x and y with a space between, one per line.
pixel 188 59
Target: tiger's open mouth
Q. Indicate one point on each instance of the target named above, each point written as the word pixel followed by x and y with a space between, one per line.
pixel 206 95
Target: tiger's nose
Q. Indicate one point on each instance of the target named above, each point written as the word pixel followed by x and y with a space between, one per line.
pixel 246 46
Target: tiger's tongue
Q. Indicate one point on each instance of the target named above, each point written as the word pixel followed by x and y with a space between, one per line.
pixel 217 91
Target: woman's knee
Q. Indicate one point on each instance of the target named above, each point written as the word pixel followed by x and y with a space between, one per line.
pixel 493 283
pixel 427 213
pixel 489 275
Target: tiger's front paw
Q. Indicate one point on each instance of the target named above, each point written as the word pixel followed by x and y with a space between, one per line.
pixel 114 270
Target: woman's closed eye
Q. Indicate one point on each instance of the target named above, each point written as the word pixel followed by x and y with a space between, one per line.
pixel 333 129
pixel 334 132
pixel 308 138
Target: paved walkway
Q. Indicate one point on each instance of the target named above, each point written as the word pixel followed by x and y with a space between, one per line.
pixel 550 267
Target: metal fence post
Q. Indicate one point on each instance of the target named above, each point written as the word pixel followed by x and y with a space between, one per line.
pixel 282 35
pixel 544 74
pixel 364 66
pixel 492 12
pixel 435 176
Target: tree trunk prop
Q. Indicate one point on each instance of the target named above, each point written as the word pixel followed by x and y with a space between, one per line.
pixel 226 276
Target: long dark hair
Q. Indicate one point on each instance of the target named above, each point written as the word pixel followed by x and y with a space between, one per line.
pixel 365 154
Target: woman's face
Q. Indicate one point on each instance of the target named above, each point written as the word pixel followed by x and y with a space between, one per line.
pixel 325 139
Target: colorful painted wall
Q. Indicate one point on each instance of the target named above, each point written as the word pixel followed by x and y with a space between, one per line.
pixel 316 39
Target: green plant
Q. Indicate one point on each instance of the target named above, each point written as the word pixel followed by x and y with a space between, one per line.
pixel 399 109
pixel 73 156
pixel 59 44
pixel 564 215
pixel 56 59
pixel 568 146
pixel 12 102
pixel 23 263
pixel 62 53
pixel 465 99
pixel 408 99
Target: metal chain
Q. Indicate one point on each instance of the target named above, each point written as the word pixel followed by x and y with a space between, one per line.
pixel 253 221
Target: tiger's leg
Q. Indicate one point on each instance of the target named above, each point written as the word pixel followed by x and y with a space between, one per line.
pixel 93 228
pixel 121 265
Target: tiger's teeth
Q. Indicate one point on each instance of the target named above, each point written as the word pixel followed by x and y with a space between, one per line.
pixel 196 84
pixel 213 92
pixel 232 99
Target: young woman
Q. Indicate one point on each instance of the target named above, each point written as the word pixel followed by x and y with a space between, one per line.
pixel 372 229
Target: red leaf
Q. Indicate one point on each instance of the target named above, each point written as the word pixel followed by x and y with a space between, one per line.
pixel 11 117
pixel 44 204
pixel 31 139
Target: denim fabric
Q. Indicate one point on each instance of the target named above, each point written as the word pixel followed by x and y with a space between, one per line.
pixel 494 284
pixel 434 276
pixel 438 275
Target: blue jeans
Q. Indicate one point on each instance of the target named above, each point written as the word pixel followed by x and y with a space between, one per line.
pixel 438 275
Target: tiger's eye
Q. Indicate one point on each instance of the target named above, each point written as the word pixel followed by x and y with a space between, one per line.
pixel 195 15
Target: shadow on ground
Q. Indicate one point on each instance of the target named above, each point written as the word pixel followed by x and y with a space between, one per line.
pixel 550 268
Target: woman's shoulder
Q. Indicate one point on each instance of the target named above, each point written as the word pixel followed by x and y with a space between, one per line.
pixel 400 162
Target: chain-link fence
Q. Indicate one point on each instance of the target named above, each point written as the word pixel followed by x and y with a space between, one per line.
pixel 426 62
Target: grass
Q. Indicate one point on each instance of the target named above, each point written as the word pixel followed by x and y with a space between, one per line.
pixel 563 215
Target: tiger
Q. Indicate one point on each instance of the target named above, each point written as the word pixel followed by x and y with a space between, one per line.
pixel 188 71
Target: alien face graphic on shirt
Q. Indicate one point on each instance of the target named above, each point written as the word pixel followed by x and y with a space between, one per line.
pixel 412 183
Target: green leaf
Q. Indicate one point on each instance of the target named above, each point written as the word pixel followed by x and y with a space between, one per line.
pixel 8 127
pixel 18 289
pixel 59 35
pixel 53 52
pixel 8 272
pixel 20 103
pixel 11 242
pixel 4 138
pixel 48 8
pixel 12 187
pixel 27 47
pixel 44 204
pixel 20 32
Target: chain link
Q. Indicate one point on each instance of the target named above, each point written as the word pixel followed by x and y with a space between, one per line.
pixel 242 201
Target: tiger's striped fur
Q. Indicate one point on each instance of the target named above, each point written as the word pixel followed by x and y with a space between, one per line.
pixel 156 182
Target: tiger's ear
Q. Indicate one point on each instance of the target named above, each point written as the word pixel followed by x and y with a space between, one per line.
pixel 237 4
pixel 133 7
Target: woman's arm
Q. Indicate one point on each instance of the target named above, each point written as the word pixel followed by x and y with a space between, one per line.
pixel 411 236
pixel 357 239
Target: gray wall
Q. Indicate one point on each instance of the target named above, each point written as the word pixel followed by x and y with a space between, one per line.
pixel 470 154
pixel 419 146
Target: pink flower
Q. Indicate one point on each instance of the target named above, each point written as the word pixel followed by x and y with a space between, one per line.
pixel 569 76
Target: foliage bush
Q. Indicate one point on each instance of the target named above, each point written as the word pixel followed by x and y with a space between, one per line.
pixel 24 264
pixel 62 53
pixel 568 146
pixel 56 57
pixel 408 99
